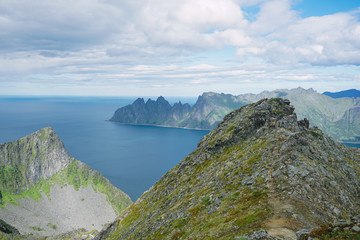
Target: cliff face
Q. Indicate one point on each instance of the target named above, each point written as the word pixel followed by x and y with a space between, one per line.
pixel 30 159
pixel 158 112
pixel 44 191
pixel 259 169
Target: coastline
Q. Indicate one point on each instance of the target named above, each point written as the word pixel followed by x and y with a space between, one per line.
pixel 197 129
pixel 156 125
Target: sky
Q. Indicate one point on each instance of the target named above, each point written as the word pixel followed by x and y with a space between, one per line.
pixel 177 47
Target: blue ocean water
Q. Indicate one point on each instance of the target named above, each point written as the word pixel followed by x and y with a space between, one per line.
pixel 132 157
pixel 355 145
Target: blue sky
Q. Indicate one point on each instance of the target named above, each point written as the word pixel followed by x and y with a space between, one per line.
pixel 177 48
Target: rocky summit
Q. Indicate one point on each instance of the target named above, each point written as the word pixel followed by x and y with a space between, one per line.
pixel 260 174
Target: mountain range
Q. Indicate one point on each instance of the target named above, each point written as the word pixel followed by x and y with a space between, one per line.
pixel 339 118
pixel 352 93
pixel 46 192
pixel 260 174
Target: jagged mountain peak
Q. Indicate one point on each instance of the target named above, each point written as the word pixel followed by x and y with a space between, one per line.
pixel 139 101
pixel 259 168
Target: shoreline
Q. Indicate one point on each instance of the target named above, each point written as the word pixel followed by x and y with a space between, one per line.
pixel 186 128
pixel 350 142
pixel 162 126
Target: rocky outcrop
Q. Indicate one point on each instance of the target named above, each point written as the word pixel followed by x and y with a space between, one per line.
pixel 45 192
pixel 260 168
pixel 8 229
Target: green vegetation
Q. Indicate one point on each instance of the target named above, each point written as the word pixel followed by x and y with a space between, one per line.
pixel 248 174
pixel 326 232
pixel 212 201
pixel 53 226
pixel 76 174
pixel 17 179
pixel 37 228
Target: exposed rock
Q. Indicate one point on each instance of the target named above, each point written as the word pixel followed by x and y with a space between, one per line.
pixel 32 158
pixel 257 235
pixel 341 229
pixel 303 234
pixel 355 229
pixel 44 191
pixel 260 168
pixel 8 229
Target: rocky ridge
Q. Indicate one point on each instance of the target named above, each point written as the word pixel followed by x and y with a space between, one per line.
pixel 260 168
pixel 44 191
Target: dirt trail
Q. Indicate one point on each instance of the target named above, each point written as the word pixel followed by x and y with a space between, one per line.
pixel 278 226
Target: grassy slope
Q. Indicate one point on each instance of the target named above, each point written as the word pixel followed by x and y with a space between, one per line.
pixel 240 209
pixel 44 149
pixel 76 174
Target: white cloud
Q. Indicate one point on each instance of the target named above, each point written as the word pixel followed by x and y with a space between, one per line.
pixel 206 15
pixel 169 44
pixel 273 15
pixel 326 40
pixel 297 77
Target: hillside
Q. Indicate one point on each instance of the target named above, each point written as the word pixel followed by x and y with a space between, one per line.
pixel 329 114
pixel 44 191
pixel 260 168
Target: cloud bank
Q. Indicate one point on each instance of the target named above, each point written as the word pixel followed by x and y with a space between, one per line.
pixel 147 47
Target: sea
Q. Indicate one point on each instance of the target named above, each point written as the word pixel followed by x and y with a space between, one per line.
pixel 132 157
